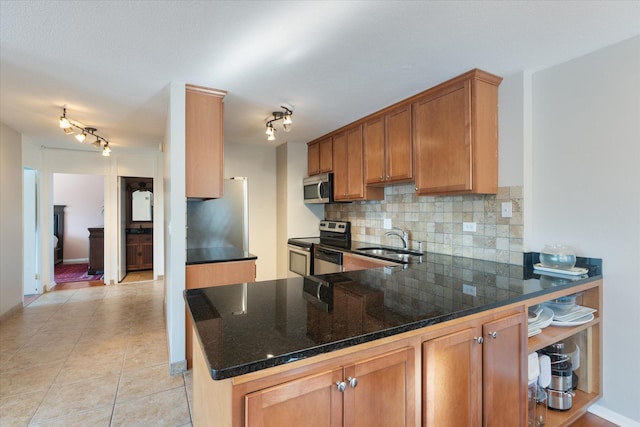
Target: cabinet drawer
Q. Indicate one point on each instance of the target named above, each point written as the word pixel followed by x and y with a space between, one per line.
pixel 146 238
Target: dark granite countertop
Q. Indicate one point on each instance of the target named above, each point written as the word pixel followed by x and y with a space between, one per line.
pixel 221 254
pixel 248 327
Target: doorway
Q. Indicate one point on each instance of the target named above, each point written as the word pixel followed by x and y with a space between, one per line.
pixel 78 226
pixel 136 229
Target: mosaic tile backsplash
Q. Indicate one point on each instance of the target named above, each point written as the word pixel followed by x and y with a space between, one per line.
pixel 437 222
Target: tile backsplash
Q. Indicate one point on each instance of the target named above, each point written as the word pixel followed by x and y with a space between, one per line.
pixel 436 221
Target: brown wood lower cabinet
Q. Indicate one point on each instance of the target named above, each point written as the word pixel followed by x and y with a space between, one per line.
pixel 476 375
pixel 139 252
pixel 96 250
pixel 373 392
pixel 351 262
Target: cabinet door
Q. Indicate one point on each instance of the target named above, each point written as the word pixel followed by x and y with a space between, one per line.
pixel 355 169
pixel 132 253
pixel 452 380
pixel 312 401
pixel 505 372
pixel 374 158
pixel 313 158
pixel 204 146
pixel 340 167
pixel 399 147
pixel 146 251
pixel 442 141
pixel 385 391
pixel 326 155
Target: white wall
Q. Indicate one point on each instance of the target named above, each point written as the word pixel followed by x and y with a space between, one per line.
pixel 586 192
pixel 11 243
pixel 175 212
pixel 294 217
pixel 83 196
pixel 258 164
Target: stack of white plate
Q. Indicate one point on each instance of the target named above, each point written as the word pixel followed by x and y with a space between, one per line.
pixel 540 316
pixel 572 316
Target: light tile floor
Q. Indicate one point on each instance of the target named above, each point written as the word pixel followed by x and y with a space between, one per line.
pixel 91 357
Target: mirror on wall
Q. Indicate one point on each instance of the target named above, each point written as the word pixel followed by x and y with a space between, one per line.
pixel 142 204
pixel 139 202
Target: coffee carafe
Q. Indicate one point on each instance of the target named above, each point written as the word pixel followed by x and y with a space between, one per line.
pixel 560 390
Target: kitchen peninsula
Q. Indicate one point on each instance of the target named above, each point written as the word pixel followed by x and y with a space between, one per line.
pixel 385 346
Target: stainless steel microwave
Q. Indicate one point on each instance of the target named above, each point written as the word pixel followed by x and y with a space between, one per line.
pixel 318 188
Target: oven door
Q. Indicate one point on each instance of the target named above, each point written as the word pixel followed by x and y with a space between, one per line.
pixel 300 260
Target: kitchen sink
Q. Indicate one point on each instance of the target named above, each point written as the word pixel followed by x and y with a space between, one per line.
pixel 379 250
pixel 395 254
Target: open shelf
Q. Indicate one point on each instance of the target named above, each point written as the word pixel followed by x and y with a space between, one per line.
pixel 589 337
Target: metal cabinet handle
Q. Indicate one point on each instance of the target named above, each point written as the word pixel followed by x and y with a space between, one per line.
pixel 353 382
pixel 341 386
pixel 479 340
pixel 493 334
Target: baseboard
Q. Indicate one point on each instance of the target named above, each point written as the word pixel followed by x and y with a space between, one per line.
pixel 612 417
pixel 75 261
pixel 19 307
pixel 178 368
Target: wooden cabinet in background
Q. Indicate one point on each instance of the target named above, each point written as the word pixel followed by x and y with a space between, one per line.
pixel 204 142
pixel 483 365
pixel 139 251
pixel 58 231
pixel 455 136
pixel 388 148
pixel 377 391
pixel 96 250
pixel 214 274
pixel 320 156
pixel 348 172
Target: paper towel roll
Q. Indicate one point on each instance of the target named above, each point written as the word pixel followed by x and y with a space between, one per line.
pixel 545 371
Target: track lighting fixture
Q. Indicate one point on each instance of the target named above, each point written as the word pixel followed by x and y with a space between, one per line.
pixel 285 116
pixel 68 125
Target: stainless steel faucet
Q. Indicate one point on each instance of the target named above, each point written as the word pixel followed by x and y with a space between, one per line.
pixel 403 235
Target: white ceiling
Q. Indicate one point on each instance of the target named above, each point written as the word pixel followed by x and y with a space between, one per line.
pixel 331 62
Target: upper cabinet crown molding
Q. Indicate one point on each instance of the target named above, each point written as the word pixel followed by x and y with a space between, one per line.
pixel 204 142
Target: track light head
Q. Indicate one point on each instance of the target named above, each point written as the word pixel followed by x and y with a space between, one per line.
pixel 285 116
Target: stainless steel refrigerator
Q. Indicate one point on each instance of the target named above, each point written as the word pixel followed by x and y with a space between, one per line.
pixel 220 222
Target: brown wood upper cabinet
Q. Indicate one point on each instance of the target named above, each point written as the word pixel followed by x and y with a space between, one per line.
pixel 388 148
pixel 348 179
pixel 204 143
pixel 320 156
pixel 455 136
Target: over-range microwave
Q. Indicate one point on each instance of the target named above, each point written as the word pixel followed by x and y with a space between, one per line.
pixel 318 188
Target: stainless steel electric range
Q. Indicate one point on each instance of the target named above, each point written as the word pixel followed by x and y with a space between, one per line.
pixel 301 250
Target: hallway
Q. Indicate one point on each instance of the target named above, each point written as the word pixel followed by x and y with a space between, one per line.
pixel 92 356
